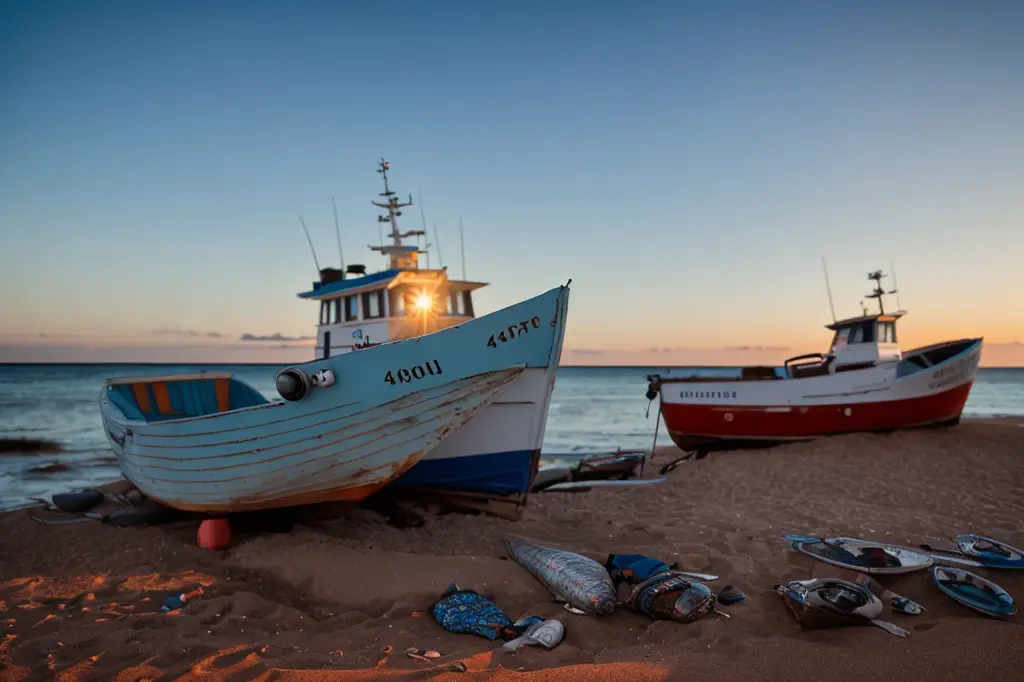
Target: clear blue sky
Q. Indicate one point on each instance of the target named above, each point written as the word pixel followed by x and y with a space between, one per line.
pixel 685 164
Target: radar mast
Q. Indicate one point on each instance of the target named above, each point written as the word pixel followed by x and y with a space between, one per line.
pixel 399 255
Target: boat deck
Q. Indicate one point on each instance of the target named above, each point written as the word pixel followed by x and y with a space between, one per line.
pixel 154 399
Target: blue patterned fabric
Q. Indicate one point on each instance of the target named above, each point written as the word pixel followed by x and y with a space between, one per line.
pixel 465 611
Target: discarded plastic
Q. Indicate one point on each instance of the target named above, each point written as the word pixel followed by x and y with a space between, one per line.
pixel 545 633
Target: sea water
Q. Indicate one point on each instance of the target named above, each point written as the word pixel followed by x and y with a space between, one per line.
pixel 593 410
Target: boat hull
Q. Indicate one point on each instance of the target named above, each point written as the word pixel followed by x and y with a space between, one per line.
pixel 346 455
pixel 718 415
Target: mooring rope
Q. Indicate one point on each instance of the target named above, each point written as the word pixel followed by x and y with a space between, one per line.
pixel 654 444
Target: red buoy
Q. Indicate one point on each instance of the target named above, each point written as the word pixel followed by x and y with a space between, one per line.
pixel 214 534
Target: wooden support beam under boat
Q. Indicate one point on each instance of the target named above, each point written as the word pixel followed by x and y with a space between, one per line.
pixel 509 507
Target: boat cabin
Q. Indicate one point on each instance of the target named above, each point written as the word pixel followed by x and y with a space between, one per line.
pixel 358 310
pixel 857 342
pixel 865 341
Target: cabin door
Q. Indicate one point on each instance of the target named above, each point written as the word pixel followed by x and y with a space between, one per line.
pixel 327 345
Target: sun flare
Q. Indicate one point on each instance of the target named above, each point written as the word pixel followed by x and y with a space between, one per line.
pixel 423 301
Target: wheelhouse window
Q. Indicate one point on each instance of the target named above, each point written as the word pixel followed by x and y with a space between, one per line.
pixel 397 299
pixel 351 308
pixel 373 304
pixel 325 311
pixel 416 300
pixel 336 311
pixel 409 301
pixel 863 333
pixel 455 306
pixel 886 332
pixel 460 303
pixel 841 338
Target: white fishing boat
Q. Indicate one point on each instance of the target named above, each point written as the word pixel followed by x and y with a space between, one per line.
pixel 493 458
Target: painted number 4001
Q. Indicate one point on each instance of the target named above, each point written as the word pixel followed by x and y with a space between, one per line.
pixel 406 375
pixel 513 331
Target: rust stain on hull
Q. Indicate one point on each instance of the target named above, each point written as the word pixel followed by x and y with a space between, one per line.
pixel 356 493
pixel 353 494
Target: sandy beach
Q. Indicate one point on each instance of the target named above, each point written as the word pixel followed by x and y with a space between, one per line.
pixel 343 599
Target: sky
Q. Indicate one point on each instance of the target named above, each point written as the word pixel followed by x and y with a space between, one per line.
pixel 687 165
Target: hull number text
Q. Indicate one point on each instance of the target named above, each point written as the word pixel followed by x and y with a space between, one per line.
pixel 513 331
pixel 955 373
pixel 406 375
pixel 707 394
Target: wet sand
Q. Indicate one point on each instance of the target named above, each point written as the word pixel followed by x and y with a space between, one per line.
pixel 326 602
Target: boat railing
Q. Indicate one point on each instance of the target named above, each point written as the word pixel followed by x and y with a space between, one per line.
pixel 793 366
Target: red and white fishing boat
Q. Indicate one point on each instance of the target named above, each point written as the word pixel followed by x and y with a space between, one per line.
pixel 864 383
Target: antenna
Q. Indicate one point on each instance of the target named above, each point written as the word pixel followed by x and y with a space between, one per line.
pixel 895 290
pixel 828 287
pixel 876 277
pixel 423 220
pixel 462 243
pixel 317 262
pixel 337 231
pixel 437 238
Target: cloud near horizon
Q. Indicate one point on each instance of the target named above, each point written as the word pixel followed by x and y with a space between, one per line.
pixel 276 336
pixel 682 349
pixel 679 356
pixel 178 331
pixel 741 349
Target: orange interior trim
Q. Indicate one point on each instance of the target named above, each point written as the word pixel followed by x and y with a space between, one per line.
pixel 141 397
pixel 163 398
pixel 223 387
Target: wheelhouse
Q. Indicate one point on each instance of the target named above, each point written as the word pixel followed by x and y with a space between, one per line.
pixel 358 310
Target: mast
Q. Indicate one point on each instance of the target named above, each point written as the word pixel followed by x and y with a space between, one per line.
pixel 393 205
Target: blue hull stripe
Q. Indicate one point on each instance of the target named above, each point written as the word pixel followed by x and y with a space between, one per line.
pixel 496 473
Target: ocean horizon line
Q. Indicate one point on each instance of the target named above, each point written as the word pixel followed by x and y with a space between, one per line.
pixel 286 364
